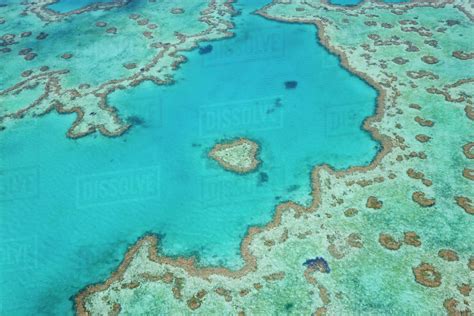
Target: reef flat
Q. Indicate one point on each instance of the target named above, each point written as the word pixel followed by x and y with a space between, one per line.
pixel 239 155
pixel 392 237
pixel 70 62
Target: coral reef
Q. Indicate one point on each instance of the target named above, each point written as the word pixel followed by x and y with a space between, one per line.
pixel 61 72
pixel 239 155
pixel 381 203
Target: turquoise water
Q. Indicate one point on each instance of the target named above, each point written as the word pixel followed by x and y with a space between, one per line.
pixel 63 6
pixel 70 208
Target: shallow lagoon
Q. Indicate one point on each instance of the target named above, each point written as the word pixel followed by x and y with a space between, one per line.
pixel 70 208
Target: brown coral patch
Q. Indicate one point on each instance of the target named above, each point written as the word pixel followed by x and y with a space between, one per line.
pixel 200 295
pixel 193 303
pixel 148 34
pixel 350 212
pixel 168 277
pixel 448 255
pixel 469 110
pixel 111 30
pixel 418 175
pixel 465 203
pixel 354 240
pixel 400 60
pixel 66 56
pixel 130 66
pixel 225 293
pixel 177 11
pixel 26 73
pixel 451 306
pixel 468 150
pixel 244 292
pixel 269 243
pixel 415 106
pixel 274 276
pixel 452 22
pixel 419 197
pixel 429 60
pixel 374 203
pixel 422 74
pixel 427 275
pixel 427 182
pixel 25 51
pixel 459 54
pixel 465 289
pixel 116 309
pixel 178 286
pixel 412 239
pixel 468 173
pixel 432 43
pixel 143 22
pixel 422 138
pixel 196 301
pixel 42 36
pixel 334 252
pixel 324 295
pixel 131 285
pixel 424 122
pixel 30 56
pixel 415 174
pixel 470 264
pixel 257 286
pixel 389 242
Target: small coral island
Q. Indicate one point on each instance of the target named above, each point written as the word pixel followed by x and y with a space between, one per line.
pixel 239 155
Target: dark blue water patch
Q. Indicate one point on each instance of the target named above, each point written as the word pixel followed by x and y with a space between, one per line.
pixel 135 120
pixel 291 84
pixel 318 263
pixel 205 49
pixel 262 177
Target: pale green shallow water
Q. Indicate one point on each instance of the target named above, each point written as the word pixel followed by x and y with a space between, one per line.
pixel 71 207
